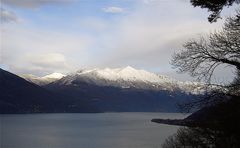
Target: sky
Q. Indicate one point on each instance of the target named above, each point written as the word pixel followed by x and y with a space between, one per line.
pixel 40 37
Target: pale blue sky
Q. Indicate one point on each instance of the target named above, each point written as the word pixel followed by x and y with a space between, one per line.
pixel 44 36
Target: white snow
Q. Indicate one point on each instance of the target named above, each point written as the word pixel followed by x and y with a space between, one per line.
pixel 127 74
pixel 43 80
pixel 54 75
pixel 125 77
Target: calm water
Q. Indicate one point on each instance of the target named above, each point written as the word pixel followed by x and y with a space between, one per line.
pixel 104 130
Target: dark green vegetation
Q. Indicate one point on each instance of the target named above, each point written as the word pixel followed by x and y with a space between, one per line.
pixel 20 96
pixel 216 123
pixel 213 6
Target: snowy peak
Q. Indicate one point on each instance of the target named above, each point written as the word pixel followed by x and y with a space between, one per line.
pixel 43 80
pixel 129 77
pixel 126 74
pixel 54 75
pixel 125 77
pixel 128 69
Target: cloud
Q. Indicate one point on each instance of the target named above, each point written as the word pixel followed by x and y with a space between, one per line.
pixel 41 64
pixel 33 3
pixel 7 16
pixel 150 1
pixel 113 10
pixel 35 39
pixel 93 24
pixel 41 51
pixel 50 62
pixel 145 37
pixel 54 60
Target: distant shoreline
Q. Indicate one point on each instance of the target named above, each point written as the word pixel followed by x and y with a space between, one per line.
pixel 82 113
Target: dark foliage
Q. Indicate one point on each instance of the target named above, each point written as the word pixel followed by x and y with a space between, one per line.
pixel 215 126
pixel 190 138
pixel 214 6
pixel 201 57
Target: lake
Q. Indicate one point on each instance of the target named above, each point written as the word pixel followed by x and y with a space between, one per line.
pixel 102 130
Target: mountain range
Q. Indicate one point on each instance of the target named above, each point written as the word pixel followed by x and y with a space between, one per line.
pixel 108 90
pixel 126 77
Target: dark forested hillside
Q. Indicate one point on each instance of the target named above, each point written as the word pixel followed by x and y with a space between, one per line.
pixel 20 96
pixel 115 99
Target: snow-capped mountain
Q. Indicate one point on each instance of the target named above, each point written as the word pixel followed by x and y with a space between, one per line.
pixel 125 89
pixel 54 75
pixel 129 77
pixel 43 80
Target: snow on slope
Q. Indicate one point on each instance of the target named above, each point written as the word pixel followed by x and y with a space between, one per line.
pixel 129 77
pixel 54 75
pixel 43 80
pixel 127 74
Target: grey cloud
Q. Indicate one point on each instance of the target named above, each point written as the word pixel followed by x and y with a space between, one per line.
pixel 41 64
pixel 7 16
pixel 33 3
pixel 38 71
pixel 51 60
pixel 38 51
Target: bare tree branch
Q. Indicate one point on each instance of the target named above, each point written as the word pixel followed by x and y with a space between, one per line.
pixel 201 57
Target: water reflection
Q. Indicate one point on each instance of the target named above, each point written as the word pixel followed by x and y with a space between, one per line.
pixel 107 130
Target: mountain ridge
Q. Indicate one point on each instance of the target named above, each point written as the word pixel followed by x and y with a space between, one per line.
pixel 20 96
pixel 43 80
pixel 93 90
pixel 128 77
pixel 122 89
